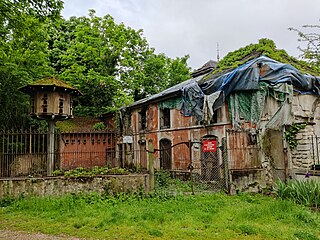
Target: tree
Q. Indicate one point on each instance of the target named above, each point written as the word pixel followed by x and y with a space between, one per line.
pixel 23 53
pixel 111 64
pixel 264 47
pixel 310 36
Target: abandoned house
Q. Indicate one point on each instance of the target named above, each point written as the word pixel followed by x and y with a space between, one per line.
pixel 252 125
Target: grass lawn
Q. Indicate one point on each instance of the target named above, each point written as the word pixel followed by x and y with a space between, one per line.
pixel 210 216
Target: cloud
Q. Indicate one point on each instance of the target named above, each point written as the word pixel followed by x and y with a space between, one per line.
pixel 182 27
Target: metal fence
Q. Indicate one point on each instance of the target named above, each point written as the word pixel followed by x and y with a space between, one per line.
pixel 86 149
pixel 211 172
pixel 24 152
pixel 206 168
pixel 315 141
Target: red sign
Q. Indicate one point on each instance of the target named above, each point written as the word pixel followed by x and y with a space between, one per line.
pixel 209 145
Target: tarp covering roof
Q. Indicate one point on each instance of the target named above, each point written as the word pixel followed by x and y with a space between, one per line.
pixel 176 89
pixel 248 76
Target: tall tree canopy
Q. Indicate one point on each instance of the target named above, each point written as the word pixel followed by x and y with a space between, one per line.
pixel 110 63
pixel 23 53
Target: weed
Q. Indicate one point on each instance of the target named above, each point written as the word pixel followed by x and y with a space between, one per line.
pixel 303 235
pixel 57 173
pixel 155 233
pixel 7 201
pixel 83 172
pixel 247 230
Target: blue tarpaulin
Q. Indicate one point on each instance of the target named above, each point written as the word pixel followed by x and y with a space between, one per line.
pixel 247 77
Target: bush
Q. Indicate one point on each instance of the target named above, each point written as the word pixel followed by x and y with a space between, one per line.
pixel 99 126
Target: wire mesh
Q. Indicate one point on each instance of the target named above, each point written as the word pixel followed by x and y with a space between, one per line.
pixel 24 153
pixel 206 171
pixel 210 172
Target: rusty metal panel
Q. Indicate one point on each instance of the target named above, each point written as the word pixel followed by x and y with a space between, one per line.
pixel 243 152
pixel 86 149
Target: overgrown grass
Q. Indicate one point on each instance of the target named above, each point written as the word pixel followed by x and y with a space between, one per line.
pixel 135 216
pixel 305 192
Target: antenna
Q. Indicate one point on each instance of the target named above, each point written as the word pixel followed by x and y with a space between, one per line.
pixel 218 57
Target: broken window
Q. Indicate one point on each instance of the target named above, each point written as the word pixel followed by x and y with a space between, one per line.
pixel 214 118
pixel 165 118
pixel 143 119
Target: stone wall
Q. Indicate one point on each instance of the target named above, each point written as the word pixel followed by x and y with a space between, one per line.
pixel 57 186
pixel 306 110
pixel 302 155
pixel 250 180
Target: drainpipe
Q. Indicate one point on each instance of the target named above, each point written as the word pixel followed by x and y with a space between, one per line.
pixel 190 167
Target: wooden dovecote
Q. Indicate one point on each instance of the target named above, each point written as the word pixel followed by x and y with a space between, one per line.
pixel 51 98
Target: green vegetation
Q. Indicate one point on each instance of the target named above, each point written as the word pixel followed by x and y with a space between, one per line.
pixel 83 172
pixel 212 216
pixel 110 63
pixel 310 36
pixel 264 47
pixel 99 126
pixel 291 133
pixel 167 213
pixel 301 192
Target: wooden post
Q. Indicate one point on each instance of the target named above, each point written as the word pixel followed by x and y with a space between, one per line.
pixel 151 163
pixel 50 161
pixel 190 167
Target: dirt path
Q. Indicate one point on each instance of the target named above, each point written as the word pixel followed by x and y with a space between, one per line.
pixel 18 235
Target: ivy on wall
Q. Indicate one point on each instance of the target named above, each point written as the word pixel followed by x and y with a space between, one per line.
pixel 291 134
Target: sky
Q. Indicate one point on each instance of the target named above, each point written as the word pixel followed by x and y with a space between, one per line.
pixel 202 28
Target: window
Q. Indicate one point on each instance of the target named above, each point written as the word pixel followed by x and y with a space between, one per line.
pixel 61 104
pixel 165 118
pixel 143 119
pixel 32 99
pixel 71 106
pixel 214 118
pixel 45 103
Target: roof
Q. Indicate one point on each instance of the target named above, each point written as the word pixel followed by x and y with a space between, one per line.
pixel 175 90
pixel 212 70
pixel 244 77
pixel 207 67
pixel 51 83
